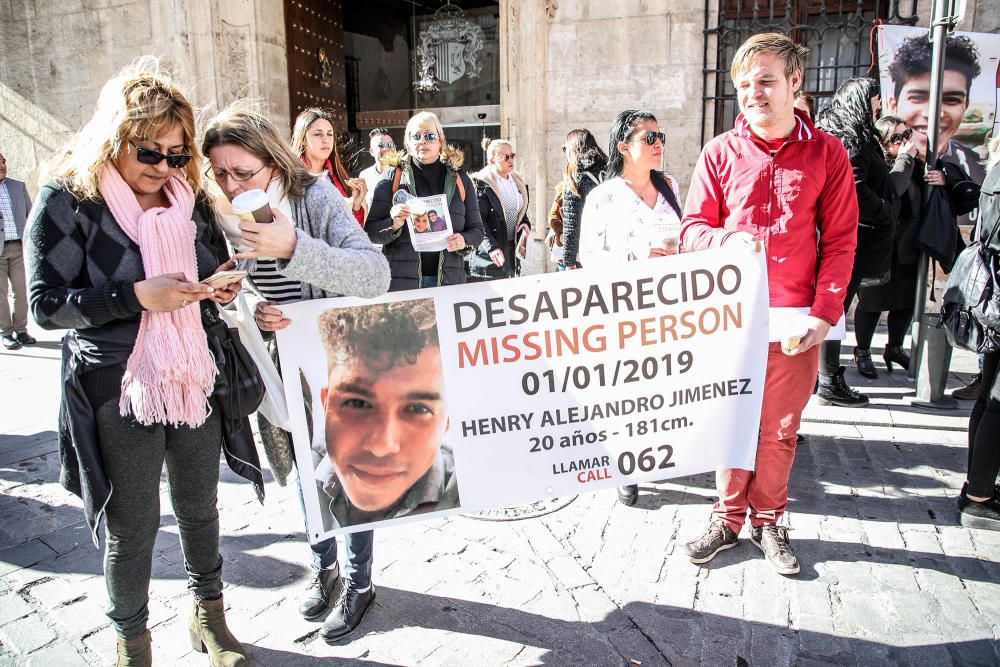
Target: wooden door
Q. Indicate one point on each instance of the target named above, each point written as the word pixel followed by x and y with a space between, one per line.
pixel 314 38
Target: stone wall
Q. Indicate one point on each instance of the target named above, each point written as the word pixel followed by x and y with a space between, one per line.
pixel 58 55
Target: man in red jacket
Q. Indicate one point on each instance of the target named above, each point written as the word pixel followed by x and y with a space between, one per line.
pixel 774 180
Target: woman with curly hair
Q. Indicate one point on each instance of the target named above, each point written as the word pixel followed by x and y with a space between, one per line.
pixel 117 246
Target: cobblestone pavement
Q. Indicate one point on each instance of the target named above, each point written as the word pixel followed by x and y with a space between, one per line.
pixel 887 575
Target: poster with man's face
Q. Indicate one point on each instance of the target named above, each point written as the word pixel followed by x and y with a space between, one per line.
pixel 968 92
pixel 379 419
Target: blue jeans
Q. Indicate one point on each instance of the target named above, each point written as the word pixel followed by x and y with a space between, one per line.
pixel 428 281
pixel 357 547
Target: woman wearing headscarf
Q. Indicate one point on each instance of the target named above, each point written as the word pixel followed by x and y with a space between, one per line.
pixel 315 141
pixel 314 250
pixel 634 213
pixel 117 246
pixel 428 167
pixel 851 118
pixel 503 207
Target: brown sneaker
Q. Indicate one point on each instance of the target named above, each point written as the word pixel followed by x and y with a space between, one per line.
pixel 718 537
pixel 772 539
pixel 970 392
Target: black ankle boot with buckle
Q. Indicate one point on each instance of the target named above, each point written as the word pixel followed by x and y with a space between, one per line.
pixel 863 360
pixel 833 390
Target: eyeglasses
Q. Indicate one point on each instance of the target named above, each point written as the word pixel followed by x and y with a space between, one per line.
pixel 377 131
pixel 149 156
pixel 237 175
pixel 426 136
pixel 900 138
pixel 650 137
pixel 388 145
pixel 507 157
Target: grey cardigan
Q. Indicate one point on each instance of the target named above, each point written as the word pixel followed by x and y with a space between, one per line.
pixel 333 256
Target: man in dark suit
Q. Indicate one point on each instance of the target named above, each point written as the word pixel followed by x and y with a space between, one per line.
pixel 14 207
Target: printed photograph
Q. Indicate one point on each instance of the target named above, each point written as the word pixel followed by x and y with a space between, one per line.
pixel 382 423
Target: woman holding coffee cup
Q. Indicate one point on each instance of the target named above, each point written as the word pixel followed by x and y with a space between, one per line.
pixel 313 249
pixel 315 140
pixel 117 246
pixel 429 167
pixel 634 213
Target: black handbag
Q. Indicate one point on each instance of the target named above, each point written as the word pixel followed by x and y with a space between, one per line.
pixel 970 310
pixel 937 234
pixel 239 391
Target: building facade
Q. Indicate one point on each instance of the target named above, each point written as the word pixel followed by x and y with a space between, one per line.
pixel 528 70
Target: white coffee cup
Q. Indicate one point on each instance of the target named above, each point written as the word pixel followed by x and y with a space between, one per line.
pixel 253 206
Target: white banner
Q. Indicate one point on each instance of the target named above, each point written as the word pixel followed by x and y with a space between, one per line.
pixel 492 394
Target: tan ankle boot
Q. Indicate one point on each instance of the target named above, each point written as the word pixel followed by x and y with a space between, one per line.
pixel 209 634
pixel 135 652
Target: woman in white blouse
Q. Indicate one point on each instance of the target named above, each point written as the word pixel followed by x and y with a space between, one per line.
pixel 634 213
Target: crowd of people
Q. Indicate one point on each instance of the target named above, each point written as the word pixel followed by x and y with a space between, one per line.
pixel 113 257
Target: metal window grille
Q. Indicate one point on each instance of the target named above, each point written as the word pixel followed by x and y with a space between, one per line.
pixel 837 33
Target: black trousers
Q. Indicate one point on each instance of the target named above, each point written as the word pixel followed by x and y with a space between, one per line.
pixel 984 431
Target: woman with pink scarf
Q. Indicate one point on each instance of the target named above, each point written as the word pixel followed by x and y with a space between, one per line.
pixel 119 243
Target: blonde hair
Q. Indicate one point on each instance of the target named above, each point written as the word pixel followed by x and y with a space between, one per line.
pixel 242 124
pixel 994 153
pixel 427 121
pixel 140 103
pixel 793 55
pixel 303 122
pixel 492 147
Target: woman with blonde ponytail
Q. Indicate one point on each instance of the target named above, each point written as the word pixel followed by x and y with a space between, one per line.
pixel 503 206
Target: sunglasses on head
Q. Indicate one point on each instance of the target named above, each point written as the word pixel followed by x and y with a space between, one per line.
pixel 426 136
pixel 650 137
pixel 149 156
pixel 898 138
pixel 377 131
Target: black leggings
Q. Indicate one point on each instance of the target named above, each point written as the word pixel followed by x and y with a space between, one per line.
pixel 984 431
pixel 865 322
pixel 829 351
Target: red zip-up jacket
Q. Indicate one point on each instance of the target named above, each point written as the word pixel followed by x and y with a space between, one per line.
pixel 805 189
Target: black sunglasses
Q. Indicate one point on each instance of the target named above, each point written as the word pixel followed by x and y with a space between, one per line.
pixel 650 137
pixel 900 138
pixel 149 156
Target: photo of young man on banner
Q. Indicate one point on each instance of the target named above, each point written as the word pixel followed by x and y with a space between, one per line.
pixel 384 418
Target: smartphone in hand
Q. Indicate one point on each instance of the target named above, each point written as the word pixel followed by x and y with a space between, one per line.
pixel 223 278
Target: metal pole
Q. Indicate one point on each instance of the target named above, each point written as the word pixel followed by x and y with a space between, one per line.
pixel 927 359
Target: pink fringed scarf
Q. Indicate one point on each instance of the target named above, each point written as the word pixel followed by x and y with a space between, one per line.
pixel 170 373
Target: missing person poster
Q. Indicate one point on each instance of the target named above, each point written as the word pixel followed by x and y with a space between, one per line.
pixel 433 401
pixel 429 223
pixel 968 91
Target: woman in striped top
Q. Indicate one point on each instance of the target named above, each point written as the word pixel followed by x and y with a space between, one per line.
pixel 315 140
pixel 317 250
